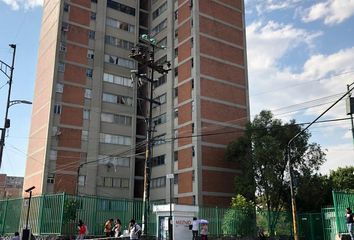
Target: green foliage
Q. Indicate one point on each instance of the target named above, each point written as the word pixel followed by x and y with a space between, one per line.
pixel 262 156
pixel 239 220
pixel 342 179
pixel 70 209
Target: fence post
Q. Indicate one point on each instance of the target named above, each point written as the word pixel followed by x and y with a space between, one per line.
pixel 41 207
pixel 335 211
pixel 217 221
pixel 62 212
pixel 4 218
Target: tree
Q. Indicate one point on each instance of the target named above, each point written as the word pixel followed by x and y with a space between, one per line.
pixel 240 219
pixel 262 156
pixel 342 179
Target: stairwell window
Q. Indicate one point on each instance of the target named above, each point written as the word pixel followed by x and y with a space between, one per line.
pixel 66 7
pixel 93 16
pixel 90 54
pixel 91 34
pixel 59 88
pixel 57 109
pixel 84 135
pixel 89 72
pixel 88 93
pixel 61 67
pixel 86 114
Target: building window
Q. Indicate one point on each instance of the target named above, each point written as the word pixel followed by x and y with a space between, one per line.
pixel 86 114
pixel 158 182
pixel 93 16
pixel 62 47
pixel 160 81
pixel 120 43
pixel 57 108
pixel 176 52
pixel 157 161
pixel 175 133
pixel 192 82
pixel 115 139
pixel 116 182
pixel 192 128
pixel 89 72
pixel 193 106
pixel 158 140
pixel 88 93
pixel 161 26
pixel 193 175
pixel 59 88
pixel 121 7
pixel 175 156
pixel 193 151
pixel 91 34
pixel 159 10
pixel 82 180
pixel 53 155
pixel 176 34
pixel 192 62
pixel 119 80
pixel 175 179
pixel 66 7
pixel 159 119
pixel 176 15
pixel 176 92
pixel 50 179
pixel 116 161
pixel 126 63
pixel 176 113
pixel 84 135
pixel 120 25
pixel 160 99
pixel 61 67
pixel 114 118
pixel 90 54
pixel 65 27
pixel 176 72
pixel 107 97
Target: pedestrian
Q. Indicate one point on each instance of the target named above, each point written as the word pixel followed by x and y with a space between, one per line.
pixel 204 231
pixel 108 227
pixel 195 227
pixel 16 237
pixel 350 221
pixel 134 230
pixel 117 227
pixel 82 230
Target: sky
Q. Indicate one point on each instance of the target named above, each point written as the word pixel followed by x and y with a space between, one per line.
pixel 300 57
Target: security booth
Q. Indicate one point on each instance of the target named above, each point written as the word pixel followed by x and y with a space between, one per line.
pixel 182 217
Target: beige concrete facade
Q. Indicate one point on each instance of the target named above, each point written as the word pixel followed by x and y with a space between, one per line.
pixel 87 112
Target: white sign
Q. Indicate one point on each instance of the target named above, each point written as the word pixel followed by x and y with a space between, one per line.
pixel 181 227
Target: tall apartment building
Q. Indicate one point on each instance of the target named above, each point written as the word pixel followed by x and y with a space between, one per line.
pixel 10 187
pixel 88 121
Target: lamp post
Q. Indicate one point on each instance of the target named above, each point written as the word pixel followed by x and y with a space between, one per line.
pixel 25 232
pixel 171 177
pixel 292 193
pixel 8 71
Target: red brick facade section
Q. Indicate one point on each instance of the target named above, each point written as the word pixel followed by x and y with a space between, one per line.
pixel 221 12
pixel 184 92
pixel 185 113
pixel 218 181
pixel 185 200
pixel 215 157
pixel 70 138
pixel 184 11
pixel 216 201
pixel 221 50
pixel 79 15
pixel 71 116
pixel 224 32
pixel 185 158
pixel 185 183
pixel 64 183
pixel 233 3
pixel 77 34
pixel 84 3
pixel 222 135
pixel 75 74
pixel 184 71
pixel 223 92
pixel 184 51
pixel 72 94
pixel 223 113
pixel 68 161
pixel 184 135
pixel 184 31
pixel 76 54
pixel 229 73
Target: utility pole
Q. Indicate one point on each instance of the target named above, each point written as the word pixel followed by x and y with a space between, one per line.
pixel 147 59
pixel 292 193
pixel 350 108
pixel 5 68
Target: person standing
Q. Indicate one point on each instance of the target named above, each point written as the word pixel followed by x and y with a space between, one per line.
pixel 134 230
pixel 204 231
pixel 117 227
pixel 16 237
pixel 82 230
pixel 350 221
pixel 108 227
pixel 195 227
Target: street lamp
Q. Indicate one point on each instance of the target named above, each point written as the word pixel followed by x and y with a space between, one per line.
pixel 26 232
pixel 171 177
pixel 292 193
pixel 8 71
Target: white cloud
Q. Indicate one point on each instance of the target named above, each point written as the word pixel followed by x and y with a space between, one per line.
pixel 338 156
pixel 331 11
pixel 26 4
pixel 271 5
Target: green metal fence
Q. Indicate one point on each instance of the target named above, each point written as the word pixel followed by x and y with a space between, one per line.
pixel 58 214
pixel 341 201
